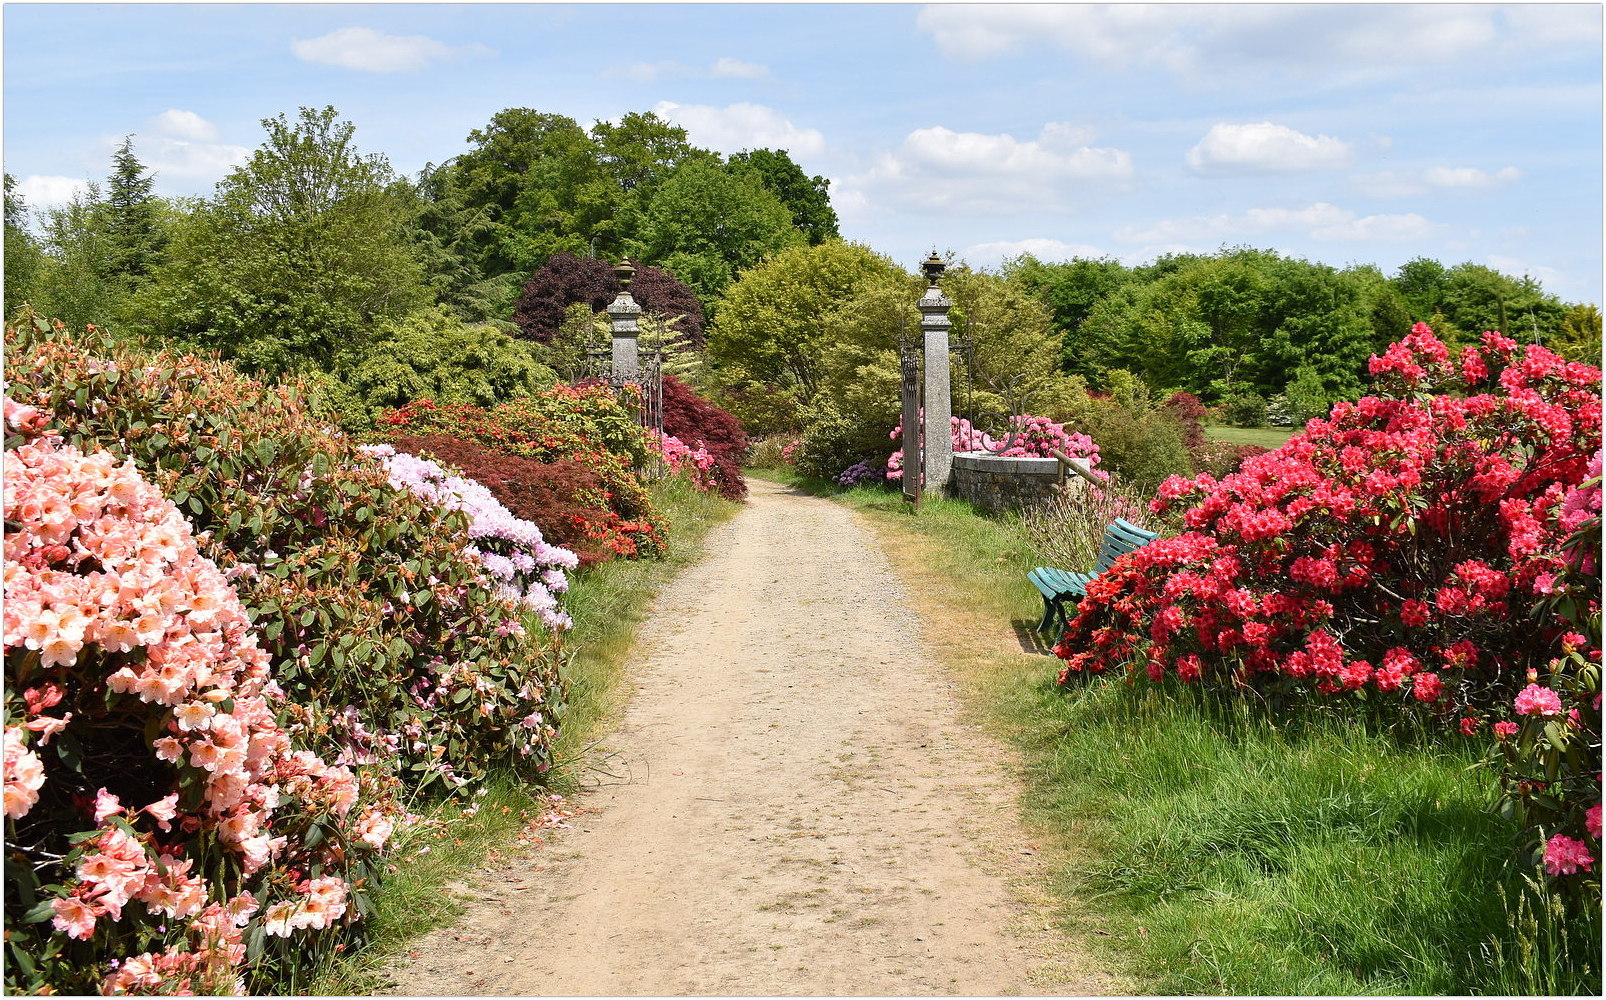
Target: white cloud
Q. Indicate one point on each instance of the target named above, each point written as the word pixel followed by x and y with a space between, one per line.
pixel 1320 221
pixel 645 72
pixel 723 68
pixel 1469 177
pixel 41 191
pixel 181 149
pixel 1209 42
pixel 1043 249
pixel 185 125
pixel 728 67
pixel 1408 183
pixel 376 52
pixel 1379 229
pixel 740 126
pixel 1550 277
pixel 939 168
pixel 1264 147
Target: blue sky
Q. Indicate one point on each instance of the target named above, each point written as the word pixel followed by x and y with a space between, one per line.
pixel 1344 133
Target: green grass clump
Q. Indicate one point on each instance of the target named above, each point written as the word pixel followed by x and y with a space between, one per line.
pixel 1215 847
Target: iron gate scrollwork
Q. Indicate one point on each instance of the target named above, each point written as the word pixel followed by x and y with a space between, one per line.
pixel 914 466
pixel 643 395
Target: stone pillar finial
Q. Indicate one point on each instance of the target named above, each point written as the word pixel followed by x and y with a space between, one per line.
pixel 934 324
pixel 623 313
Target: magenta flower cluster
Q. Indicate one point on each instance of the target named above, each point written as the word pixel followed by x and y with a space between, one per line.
pixel 1028 437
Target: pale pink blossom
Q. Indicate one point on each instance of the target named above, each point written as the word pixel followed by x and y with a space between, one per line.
pixel 47 727
pixel 106 804
pixel 24 773
pixel 74 917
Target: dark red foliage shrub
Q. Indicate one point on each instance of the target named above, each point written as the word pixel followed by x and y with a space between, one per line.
pixel 1189 413
pixel 585 425
pixel 698 422
pixel 565 280
pixel 551 494
pixel 659 291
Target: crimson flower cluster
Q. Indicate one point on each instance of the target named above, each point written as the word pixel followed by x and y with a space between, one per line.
pixel 1397 546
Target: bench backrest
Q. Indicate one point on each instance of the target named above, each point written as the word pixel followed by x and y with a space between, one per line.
pixel 1120 538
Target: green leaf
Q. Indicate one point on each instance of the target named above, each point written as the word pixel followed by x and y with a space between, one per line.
pixel 40 911
pixel 23 959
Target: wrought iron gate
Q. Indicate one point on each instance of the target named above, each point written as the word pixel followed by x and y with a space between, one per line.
pixel 643 396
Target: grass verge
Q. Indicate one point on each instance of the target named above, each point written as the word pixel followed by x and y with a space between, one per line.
pixel 607 603
pixel 1207 848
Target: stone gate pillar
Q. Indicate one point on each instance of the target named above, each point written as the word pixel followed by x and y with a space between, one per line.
pixel 934 323
pixel 623 312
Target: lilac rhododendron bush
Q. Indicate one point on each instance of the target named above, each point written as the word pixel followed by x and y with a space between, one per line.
pixel 1428 551
pixel 525 569
pixel 336 643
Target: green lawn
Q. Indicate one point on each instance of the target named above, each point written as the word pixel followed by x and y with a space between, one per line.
pixel 1203 847
pixel 1266 437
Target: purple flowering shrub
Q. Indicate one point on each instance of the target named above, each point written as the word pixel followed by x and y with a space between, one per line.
pixel 863 473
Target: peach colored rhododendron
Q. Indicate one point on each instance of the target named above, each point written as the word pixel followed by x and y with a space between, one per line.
pixel 99 565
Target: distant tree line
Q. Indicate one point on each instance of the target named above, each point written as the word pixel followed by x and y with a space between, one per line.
pixel 1246 322
pixel 481 275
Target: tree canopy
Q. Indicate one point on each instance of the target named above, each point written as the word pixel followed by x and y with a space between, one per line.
pixel 299 252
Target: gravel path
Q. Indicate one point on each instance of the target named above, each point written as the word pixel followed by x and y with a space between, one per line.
pixel 792 805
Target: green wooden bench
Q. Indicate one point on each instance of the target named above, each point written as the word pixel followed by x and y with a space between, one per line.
pixel 1059 586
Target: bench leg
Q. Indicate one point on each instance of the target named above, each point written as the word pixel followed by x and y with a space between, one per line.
pixel 1051 610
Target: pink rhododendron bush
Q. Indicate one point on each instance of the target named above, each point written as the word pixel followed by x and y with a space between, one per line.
pixel 1428 551
pixel 395 645
pixel 159 823
pixel 696 464
pixel 1028 436
pixel 233 646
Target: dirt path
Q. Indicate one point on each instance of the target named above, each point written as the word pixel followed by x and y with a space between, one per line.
pixel 794 805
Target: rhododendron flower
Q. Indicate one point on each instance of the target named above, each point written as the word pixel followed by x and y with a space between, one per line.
pixel 96 558
pixel 374 829
pixel 1505 730
pixel 1565 856
pixel 522 572
pixel 25 775
pixel 163 810
pixel 106 804
pixel 74 917
pixel 1592 820
pixel 1535 699
pixel 1427 687
pixel 48 726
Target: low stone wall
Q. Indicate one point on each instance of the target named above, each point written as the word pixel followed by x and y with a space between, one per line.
pixel 995 483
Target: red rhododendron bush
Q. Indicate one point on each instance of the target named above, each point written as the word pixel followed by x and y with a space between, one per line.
pixel 1431 550
pixel 154 806
pixel 584 424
